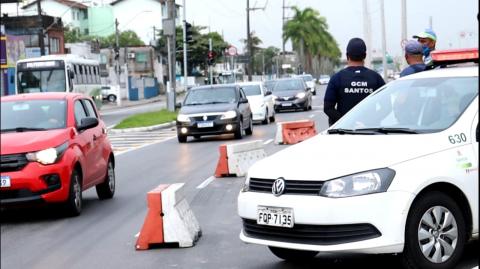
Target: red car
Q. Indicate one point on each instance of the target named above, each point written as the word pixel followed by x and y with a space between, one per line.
pixel 53 147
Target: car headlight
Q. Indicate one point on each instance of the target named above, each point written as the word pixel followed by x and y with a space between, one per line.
pixel 229 115
pixel 246 184
pixel 300 95
pixel 47 156
pixel 183 118
pixel 367 182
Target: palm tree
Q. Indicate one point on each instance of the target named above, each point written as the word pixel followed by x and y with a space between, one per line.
pixel 309 34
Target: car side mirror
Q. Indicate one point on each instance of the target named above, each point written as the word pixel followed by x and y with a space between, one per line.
pixel 178 105
pixel 268 93
pixel 88 123
pixel 243 101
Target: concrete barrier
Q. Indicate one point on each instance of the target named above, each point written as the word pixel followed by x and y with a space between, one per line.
pixel 236 159
pixel 293 132
pixel 169 219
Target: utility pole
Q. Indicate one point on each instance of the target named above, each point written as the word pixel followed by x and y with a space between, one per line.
pixel 249 41
pixel 249 44
pixel 384 41
pixel 210 67
pixel 41 41
pixel 404 20
pixel 171 56
pixel 284 19
pixel 367 33
pixel 117 63
pixel 185 70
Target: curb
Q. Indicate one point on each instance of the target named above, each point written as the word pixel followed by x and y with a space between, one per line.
pixel 142 129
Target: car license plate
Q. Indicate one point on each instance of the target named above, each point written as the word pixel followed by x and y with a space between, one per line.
pixel 5 181
pixel 275 216
pixel 286 104
pixel 205 124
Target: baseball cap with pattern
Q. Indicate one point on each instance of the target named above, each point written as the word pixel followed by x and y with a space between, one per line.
pixel 428 33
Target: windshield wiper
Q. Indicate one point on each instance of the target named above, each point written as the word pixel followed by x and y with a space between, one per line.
pixel 23 129
pixel 215 102
pixel 346 131
pixel 390 130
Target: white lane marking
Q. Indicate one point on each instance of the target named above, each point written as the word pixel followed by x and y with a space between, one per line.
pixel 111 126
pixel 318 106
pixel 143 146
pixel 206 182
pixel 311 116
pixel 268 141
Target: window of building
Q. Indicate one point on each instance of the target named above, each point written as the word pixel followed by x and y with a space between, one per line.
pixel 54 45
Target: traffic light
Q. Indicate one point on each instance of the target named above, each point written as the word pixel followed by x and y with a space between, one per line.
pixel 117 53
pixel 189 32
pixel 211 57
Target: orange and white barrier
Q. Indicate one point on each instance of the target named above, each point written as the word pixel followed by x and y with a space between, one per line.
pixel 293 132
pixel 169 219
pixel 236 159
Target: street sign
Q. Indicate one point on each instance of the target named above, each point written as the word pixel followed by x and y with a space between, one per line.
pixel 231 51
pixel 168 27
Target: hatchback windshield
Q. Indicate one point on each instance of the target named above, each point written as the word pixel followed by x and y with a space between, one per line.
pixel 252 90
pixel 417 106
pixel 270 84
pixel 288 85
pixel 210 96
pixel 307 78
pixel 33 115
pixel 52 80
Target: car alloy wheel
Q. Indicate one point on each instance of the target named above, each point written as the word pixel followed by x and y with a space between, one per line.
pixel 435 232
pixel 73 206
pixel 106 189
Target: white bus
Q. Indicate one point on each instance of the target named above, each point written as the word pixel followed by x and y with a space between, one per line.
pixel 59 73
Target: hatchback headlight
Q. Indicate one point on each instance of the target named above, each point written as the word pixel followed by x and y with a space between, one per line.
pixel 367 182
pixel 229 115
pixel 48 156
pixel 246 184
pixel 300 95
pixel 183 118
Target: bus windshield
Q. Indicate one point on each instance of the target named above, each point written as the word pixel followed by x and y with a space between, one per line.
pixel 52 80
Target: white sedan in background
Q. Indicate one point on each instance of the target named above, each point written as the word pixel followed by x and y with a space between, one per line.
pixel 261 101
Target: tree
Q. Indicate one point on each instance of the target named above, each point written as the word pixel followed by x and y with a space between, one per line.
pixel 197 50
pixel 256 41
pixel 265 60
pixel 309 34
pixel 125 39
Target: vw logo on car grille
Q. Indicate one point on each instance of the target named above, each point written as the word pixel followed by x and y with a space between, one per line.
pixel 278 186
pixel 205 117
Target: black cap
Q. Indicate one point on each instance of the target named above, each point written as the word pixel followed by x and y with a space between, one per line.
pixel 356 48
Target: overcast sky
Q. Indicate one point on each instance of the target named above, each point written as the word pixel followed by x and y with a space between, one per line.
pixel 345 20
pixel 450 18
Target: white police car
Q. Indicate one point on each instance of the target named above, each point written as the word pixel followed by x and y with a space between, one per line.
pixel 397 174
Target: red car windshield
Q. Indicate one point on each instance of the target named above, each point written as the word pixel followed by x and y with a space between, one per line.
pixel 33 115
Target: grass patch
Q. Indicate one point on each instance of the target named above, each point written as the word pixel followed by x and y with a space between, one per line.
pixel 147 119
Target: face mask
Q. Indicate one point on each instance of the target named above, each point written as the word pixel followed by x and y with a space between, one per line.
pixel 426 50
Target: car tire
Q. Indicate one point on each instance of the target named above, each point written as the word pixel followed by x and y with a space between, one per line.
pixel 293 254
pixel 182 138
pixel 73 206
pixel 249 130
pixel 239 132
pixel 112 98
pixel 266 120
pixel 423 211
pixel 106 189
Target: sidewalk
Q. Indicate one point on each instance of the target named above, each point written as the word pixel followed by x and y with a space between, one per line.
pixel 109 106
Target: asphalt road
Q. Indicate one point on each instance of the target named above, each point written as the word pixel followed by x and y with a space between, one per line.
pixel 104 235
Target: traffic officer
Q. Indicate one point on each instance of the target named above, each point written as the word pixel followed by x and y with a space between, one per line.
pixel 428 39
pixel 352 84
pixel 414 58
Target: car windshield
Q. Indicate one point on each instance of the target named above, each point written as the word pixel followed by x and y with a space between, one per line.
pixel 307 78
pixel 32 115
pixel 288 85
pixel 210 96
pixel 252 90
pixel 52 80
pixel 270 84
pixel 416 105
